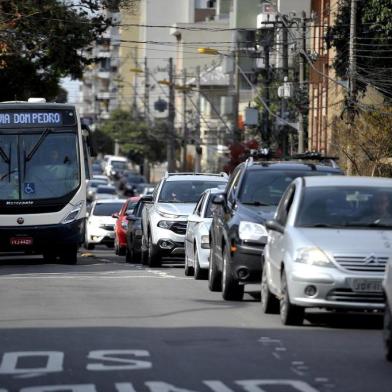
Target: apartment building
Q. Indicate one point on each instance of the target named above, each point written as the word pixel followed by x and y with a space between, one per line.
pixel 99 86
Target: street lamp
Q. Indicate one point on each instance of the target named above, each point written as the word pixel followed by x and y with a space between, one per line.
pixel 209 51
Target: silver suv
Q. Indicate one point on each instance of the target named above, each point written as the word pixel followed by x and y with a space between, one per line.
pixel 165 219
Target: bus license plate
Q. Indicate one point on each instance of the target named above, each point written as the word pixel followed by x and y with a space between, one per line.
pixel 366 285
pixel 21 241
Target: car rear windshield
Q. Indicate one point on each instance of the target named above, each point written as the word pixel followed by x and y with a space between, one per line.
pixel 106 189
pixel 185 191
pixel 107 209
pixel 266 187
pixel 346 206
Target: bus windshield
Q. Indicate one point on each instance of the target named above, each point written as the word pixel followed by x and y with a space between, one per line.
pixel 38 165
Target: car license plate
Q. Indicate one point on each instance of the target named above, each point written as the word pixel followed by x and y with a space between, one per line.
pixel 366 285
pixel 21 241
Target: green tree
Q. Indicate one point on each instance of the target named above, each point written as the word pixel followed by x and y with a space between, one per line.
pixel 373 44
pixel 137 140
pixel 42 41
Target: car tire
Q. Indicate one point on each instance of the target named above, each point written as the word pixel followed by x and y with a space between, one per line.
pixel 188 270
pixel 289 314
pixel 143 252
pixel 153 257
pixel 269 303
pixel 231 289
pixel 69 255
pixel 387 332
pixel 199 273
pixel 122 251
pixel 214 276
pixel 128 255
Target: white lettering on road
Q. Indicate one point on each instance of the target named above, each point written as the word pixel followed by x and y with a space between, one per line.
pixel 62 388
pixel 217 386
pixel 9 363
pixel 160 386
pixel 255 385
pixel 127 363
pixel 124 387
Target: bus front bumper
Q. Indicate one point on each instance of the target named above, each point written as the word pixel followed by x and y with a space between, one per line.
pixel 41 238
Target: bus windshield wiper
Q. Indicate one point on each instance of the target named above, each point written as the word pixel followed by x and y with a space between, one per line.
pixel 5 157
pixel 7 160
pixel 37 145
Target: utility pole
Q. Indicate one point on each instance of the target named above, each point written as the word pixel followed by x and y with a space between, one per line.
pixel 285 67
pixel 146 93
pixel 197 126
pixel 146 164
pixel 236 135
pixel 302 72
pixel 170 146
pixel 184 123
pixel 352 94
pixel 134 104
pixel 266 41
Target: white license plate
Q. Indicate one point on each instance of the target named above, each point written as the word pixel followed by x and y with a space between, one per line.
pixel 366 285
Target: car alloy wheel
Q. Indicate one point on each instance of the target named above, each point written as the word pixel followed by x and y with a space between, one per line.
pixel 290 314
pixel 269 303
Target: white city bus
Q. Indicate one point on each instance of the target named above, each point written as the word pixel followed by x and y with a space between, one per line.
pixel 43 171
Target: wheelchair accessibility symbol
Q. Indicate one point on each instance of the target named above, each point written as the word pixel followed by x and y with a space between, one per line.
pixel 29 188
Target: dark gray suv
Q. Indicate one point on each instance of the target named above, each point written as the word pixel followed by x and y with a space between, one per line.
pixel 238 234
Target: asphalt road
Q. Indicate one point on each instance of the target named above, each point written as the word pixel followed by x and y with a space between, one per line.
pixel 107 326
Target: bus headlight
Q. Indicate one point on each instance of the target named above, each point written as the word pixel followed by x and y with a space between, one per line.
pixel 73 215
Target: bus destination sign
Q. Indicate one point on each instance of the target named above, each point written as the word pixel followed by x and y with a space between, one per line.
pixel 10 119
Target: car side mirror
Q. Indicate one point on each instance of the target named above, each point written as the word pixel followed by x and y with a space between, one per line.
pixel 115 216
pixel 274 226
pixel 219 200
pixel 147 199
pixel 131 218
pixel 195 218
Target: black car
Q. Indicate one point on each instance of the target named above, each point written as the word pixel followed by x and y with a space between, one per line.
pixel 238 233
pixel 129 182
pixel 133 253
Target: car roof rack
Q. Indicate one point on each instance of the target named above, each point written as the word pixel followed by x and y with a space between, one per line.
pixel 221 174
pixel 265 157
pixel 318 157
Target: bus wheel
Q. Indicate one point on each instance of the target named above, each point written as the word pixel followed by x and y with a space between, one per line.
pixel 69 255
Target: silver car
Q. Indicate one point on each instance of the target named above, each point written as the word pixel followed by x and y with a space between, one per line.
pixel 328 246
pixel 164 221
pixel 197 237
pixel 388 312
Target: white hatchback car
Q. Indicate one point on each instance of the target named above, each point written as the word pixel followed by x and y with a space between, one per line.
pixel 197 236
pixel 328 246
pixel 100 223
pixel 388 312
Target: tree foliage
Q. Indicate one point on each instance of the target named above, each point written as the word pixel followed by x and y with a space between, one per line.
pixel 137 140
pixel 369 147
pixel 42 41
pixel 373 44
